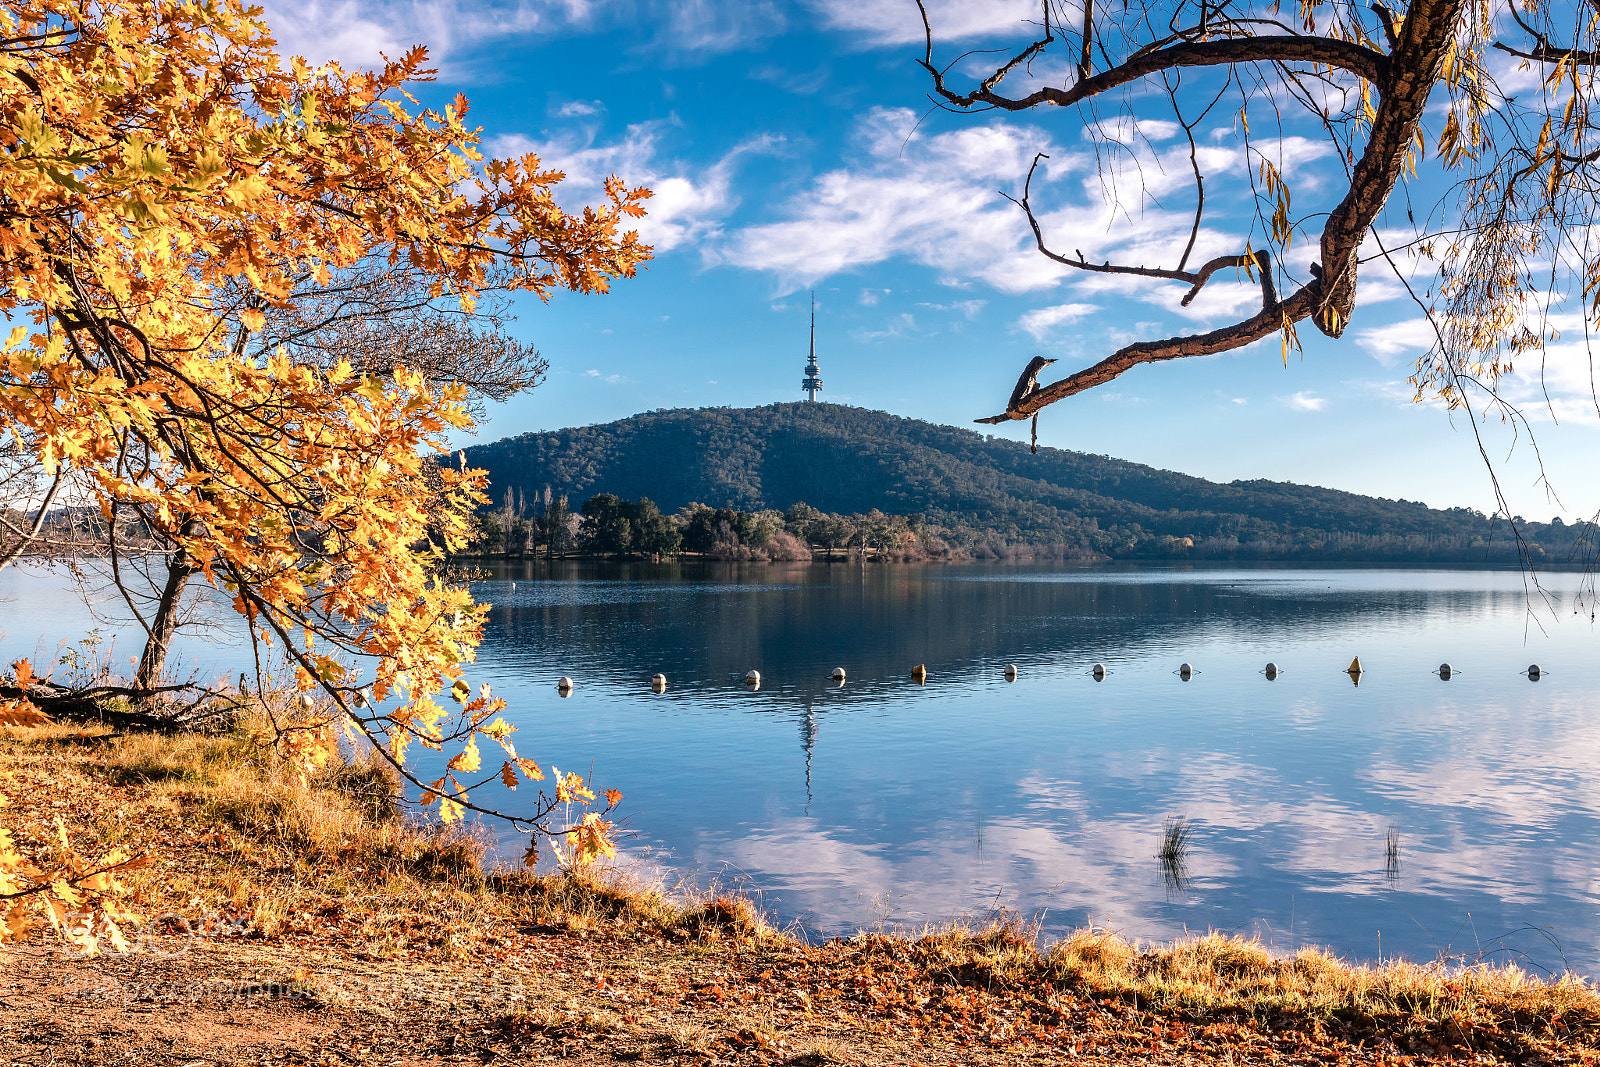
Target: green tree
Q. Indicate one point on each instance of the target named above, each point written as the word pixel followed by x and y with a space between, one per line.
pixel 656 535
pixel 605 528
pixel 555 525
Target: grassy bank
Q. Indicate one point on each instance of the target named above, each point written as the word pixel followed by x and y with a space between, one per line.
pixel 324 920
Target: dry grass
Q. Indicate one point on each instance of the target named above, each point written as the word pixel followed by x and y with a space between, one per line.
pixel 1218 975
pixel 347 815
pixel 1218 971
pixel 620 900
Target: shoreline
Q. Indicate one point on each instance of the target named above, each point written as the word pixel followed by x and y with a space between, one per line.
pixel 308 917
pixel 1107 563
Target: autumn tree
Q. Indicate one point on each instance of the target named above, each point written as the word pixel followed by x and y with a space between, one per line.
pixel 377 317
pixel 167 183
pixel 1476 111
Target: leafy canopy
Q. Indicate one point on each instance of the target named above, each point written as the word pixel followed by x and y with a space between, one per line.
pixel 166 181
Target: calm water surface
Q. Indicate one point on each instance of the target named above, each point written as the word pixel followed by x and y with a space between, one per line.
pixel 888 801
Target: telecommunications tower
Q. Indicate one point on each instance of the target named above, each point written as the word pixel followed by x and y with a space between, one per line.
pixel 812 382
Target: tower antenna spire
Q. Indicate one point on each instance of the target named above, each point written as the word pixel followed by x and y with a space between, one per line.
pixel 812 382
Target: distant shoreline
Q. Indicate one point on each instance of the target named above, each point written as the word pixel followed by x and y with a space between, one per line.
pixel 1098 563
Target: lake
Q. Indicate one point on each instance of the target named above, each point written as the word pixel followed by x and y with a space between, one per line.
pixel 1408 815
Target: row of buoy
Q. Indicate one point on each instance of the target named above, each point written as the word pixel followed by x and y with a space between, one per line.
pixel 658 682
pixel 919 674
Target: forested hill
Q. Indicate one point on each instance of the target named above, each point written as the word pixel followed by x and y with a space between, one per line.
pixel 980 492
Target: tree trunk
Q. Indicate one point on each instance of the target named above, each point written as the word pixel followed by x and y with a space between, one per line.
pixel 165 623
pixel 1415 61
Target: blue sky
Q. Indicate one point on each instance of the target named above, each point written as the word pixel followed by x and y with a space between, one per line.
pixel 792 146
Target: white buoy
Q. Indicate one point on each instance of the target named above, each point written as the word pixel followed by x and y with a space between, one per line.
pixel 1445 671
pixel 1271 672
pixel 838 674
pixel 1184 671
pixel 1099 672
pixel 1011 672
pixel 919 673
pixel 753 677
pixel 658 682
pixel 564 683
pixel 1534 672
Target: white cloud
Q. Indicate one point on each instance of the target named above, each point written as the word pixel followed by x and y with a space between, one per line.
pixel 898 326
pixel 1127 130
pixel 1304 401
pixel 1379 291
pixel 967 308
pixel 1561 382
pixel 609 379
pixel 698 27
pixel 576 109
pixel 801 83
pixel 885 22
pixel 1041 322
pixel 355 33
pixel 1388 343
pixel 687 206
pixel 931 199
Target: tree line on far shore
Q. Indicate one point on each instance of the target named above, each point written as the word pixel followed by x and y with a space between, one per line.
pixel 607 525
pixel 611 526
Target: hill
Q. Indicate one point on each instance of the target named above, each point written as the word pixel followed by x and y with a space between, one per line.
pixel 981 492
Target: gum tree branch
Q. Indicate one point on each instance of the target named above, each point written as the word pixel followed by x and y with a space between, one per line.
pixel 1272 318
pixel 1403 81
pixel 1357 59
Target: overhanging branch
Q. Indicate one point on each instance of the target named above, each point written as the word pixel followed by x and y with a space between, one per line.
pixel 1272 318
pixel 1357 59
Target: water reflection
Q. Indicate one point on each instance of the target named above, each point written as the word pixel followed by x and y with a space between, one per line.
pixel 1050 791
pixel 1454 818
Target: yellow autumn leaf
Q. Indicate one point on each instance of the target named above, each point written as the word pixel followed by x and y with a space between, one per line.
pixel 467 760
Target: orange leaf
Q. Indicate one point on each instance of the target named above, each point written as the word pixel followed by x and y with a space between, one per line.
pixel 23 669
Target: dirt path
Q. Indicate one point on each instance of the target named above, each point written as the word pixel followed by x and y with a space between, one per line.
pixel 566 996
